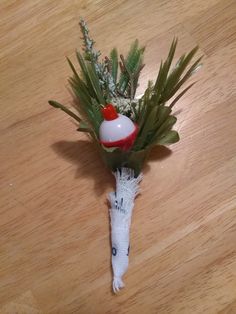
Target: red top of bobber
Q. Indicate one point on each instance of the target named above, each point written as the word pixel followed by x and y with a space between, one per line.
pixel 109 112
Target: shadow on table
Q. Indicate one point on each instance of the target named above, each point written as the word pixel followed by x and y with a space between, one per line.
pixel 86 157
pixel 159 153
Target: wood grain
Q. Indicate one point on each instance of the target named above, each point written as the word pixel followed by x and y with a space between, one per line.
pixel 54 226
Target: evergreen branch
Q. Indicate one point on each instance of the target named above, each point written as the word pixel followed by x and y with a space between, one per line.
pixel 133 63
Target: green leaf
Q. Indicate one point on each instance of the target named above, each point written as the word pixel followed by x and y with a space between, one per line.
pixel 114 63
pixel 84 127
pixel 84 103
pixel 97 113
pixel 164 128
pixel 171 53
pixel 133 64
pixel 110 149
pixel 156 126
pixel 84 100
pixel 144 106
pixel 116 158
pixel 79 86
pixel 147 129
pixel 95 83
pixel 180 95
pixel 153 116
pixel 170 137
pixel 73 68
pixel 84 71
pixel 164 70
pixel 185 77
pixel 57 105
pixel 173 78
pixel 159 76
pixel 174 81
pixel 162 115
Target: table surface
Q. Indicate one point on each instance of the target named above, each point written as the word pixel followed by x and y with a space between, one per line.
pixel 54 234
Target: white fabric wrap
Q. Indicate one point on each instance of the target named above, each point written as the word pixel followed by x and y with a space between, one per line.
pixel 122 203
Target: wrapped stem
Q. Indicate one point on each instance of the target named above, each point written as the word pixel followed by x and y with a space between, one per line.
pixel 122 203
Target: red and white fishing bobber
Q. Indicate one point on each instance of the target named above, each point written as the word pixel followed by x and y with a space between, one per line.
pixel 117 130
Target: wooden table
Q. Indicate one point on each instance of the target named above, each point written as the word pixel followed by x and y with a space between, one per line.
pixel 55 250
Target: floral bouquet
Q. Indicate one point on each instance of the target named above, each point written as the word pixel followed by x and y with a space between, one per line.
pixel 125 128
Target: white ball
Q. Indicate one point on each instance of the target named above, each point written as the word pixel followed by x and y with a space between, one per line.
pixel 115 130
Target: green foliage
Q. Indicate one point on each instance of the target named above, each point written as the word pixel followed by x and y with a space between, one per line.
pixel 57 105
pixel 155 119
pixel 115 158
pixel 100 81
pixel 88 92
pixel 130 70
pixel 170 137
pixel 114 64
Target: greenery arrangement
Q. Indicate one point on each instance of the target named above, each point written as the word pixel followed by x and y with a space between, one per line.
pixel 115 80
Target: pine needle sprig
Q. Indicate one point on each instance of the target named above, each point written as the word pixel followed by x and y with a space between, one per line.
pixel 131 67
